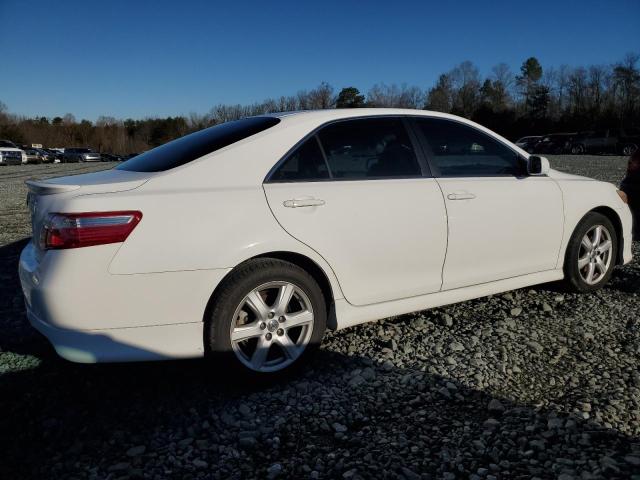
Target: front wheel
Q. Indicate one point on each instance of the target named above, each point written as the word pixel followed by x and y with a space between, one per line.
pixel 591 254
pixel 266 319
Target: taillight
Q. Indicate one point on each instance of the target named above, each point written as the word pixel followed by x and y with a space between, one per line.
pixel 75 230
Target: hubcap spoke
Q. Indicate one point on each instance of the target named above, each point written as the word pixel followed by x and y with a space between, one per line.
pixel 591 272
pixel 284 297
pixel 259 356
pixel 583 262
pixel 597 235
pixel 602 268
pixel 245 332
pixel 586 243
pixel 290 349
pixel 256 303
pixel 299 319
pixel 605 246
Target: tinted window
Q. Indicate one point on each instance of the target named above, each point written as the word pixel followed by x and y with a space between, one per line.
pixel 7 144
pixel 189 148
pixel 305 163
pixel 369 148
pixel 459 150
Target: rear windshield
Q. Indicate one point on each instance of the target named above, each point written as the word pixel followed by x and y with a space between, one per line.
pixel 191 147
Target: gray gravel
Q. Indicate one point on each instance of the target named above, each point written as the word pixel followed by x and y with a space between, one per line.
pixel 534 383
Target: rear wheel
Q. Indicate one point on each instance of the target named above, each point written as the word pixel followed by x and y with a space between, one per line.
pixel 629 149
pixel 266 319
pixel 591 254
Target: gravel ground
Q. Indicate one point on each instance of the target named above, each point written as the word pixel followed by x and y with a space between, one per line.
pixel 534 383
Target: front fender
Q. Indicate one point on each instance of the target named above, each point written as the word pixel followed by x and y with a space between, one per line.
pixel 583 196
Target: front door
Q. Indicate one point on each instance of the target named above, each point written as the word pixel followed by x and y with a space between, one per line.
pixel 502 223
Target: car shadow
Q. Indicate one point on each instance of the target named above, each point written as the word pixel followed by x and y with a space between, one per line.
pixel 627 280
pixel 65 420
pixel 343 416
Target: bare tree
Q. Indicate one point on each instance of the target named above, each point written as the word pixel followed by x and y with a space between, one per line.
pixel 465 79
pixel 321 97
pixel 403 96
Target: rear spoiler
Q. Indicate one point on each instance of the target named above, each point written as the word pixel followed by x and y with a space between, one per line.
pixel 41 187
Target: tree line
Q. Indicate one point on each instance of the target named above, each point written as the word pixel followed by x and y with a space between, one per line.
pixel 534 100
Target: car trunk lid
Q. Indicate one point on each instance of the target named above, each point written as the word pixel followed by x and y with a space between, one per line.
pixel 47 196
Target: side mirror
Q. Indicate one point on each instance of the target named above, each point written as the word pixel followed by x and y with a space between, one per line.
pixel 537 166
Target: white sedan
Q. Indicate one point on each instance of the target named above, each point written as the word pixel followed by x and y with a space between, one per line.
pixel 245 241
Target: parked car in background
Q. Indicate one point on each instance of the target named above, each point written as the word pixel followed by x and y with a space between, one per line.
pixel 130 155
pixel 10 154
pixel 52 154
pixel 611 140
pixel 80 155
pixel 555 143
pixel 34 155
pixel 110 157
pixel 47 157
pixel 527 143
pixel 58 154
pixel 246 240
pixel 629 142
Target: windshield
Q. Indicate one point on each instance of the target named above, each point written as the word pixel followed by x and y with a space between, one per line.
pixel 7 144
pixel 191 147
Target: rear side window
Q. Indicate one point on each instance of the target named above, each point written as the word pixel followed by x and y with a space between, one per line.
pixel 306 163
pixel 369 148
pixel 191 147
pixel 458 150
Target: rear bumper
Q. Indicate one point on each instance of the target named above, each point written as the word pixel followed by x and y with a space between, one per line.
pixel 90 315
pixel 137 344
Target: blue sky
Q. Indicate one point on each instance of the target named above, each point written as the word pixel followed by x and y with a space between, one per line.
pixel 141 58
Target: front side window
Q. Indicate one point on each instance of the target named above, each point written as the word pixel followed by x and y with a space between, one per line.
pixel 369 148
pixel 458 150
pixel 306 163
pixel 193 146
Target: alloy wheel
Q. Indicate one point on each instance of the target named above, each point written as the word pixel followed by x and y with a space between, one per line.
pixel 594 258
pixel 272 326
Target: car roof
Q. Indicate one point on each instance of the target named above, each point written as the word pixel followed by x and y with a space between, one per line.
pixel 247 161
pixel 340 113
pixel 316 118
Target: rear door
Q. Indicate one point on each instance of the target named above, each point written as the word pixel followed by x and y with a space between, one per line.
pixel 502 223
pixel 357 193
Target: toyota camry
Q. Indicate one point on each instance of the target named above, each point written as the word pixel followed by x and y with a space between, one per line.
pixel 245 241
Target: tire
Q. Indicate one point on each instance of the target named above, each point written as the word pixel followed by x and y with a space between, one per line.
pixel 577 149
pixel 256 286
pixel 629 149
pixel 586 270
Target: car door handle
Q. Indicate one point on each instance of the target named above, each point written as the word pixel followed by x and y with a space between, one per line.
pixel 461 196
pixel 303 202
